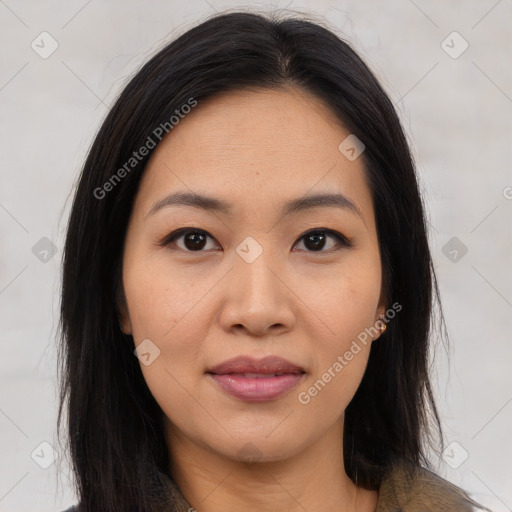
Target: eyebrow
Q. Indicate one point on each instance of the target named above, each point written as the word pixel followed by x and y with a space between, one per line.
pixel 218 205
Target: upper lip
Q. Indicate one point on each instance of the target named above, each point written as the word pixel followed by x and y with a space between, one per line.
pixel 247 364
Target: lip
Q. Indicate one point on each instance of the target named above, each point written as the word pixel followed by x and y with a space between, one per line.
pixel 248 364
pixel 259 385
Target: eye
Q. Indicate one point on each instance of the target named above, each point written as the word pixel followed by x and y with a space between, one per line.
pixel 315 240
pixel 195 240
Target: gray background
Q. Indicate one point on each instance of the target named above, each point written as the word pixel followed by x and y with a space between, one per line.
pixel 457 114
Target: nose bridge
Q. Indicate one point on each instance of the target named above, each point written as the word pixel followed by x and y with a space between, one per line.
pixel 257 297
pixel 255 266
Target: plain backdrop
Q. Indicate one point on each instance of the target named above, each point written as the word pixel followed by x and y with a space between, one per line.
pixel 447 67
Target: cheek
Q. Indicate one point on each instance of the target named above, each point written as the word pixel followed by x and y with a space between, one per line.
pixel 345 308
pixel 165 307
pixel 340 358
pixel 346 302
pixel 162 299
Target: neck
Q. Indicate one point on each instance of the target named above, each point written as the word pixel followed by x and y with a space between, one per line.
pixel 312 480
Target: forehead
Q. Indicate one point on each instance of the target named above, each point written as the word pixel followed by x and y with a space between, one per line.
pixel 256 148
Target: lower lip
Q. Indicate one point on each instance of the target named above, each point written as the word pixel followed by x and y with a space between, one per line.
pixel 257 389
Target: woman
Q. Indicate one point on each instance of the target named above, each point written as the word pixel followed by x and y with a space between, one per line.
pixel 247 286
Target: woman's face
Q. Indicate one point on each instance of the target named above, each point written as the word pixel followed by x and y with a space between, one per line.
pixel 259 280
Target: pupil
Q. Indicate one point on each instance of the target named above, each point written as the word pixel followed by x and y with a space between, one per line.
pixel 197 239
pixel 318 241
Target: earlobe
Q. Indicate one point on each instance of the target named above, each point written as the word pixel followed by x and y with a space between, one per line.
pixel 380 320
pixel 122 313
pixel 381 309
pixel 125 324
pixel 381 324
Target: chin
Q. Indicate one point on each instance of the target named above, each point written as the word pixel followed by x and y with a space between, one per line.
pixel 258 448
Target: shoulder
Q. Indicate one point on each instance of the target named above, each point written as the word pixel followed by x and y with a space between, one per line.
pixel 74 508
pixel 407 486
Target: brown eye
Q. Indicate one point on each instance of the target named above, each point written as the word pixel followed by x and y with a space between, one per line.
pixel 194 240
pixel 316 240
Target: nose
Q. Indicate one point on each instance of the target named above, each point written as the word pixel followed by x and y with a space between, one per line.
pixel 257 298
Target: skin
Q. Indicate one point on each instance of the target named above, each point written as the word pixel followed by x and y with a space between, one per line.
pixel 257 150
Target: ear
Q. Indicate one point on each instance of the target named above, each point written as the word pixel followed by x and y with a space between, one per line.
pixel 381 309
pixel 122 311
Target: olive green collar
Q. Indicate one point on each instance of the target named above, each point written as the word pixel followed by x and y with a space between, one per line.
pixel 405 487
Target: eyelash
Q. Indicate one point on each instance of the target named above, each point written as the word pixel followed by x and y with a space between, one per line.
pixel 342 240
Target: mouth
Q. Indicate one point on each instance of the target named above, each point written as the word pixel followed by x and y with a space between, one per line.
pixel 257 375
pixel 254 380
